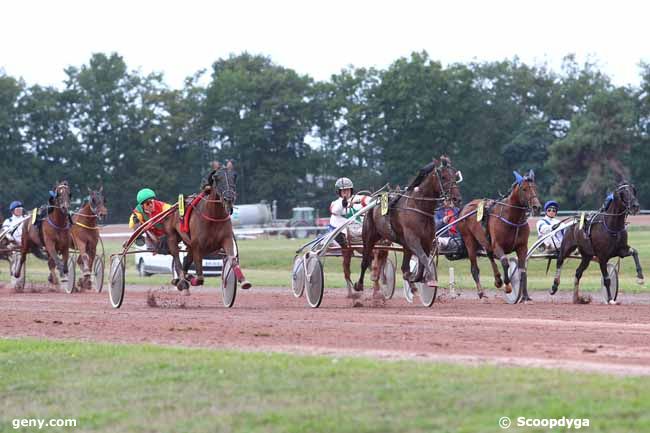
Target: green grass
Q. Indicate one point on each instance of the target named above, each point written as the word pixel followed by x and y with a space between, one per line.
pixel 122 388
pixel 267 262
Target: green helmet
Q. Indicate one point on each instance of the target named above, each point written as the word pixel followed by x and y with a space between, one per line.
pixel 145 194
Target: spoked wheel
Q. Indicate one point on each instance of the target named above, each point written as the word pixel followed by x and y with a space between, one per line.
pixel 228 283
pixel 314 280
pixel 428 294
pixel 298 276
pixel 515 281
pixel 70 285
pixel 17 283
pixel 116 287
pixel 387 279
pixel 97 277
pixel 612 273
pixel 408 291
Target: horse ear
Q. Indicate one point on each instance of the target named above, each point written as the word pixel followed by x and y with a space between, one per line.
pixel 531 175
pixel 101 188
pixel 518 178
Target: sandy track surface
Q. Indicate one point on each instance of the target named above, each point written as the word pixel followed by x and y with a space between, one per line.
pixel 550 333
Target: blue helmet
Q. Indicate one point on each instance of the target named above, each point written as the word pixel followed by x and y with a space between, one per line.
pixel 551 203
pixel 14 204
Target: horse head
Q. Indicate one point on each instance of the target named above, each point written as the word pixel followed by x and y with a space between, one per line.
pixel 439 179
pixel 222 182
pixel 98 202
pixel 626 193
pixel 525 191
pixel 61 196
pixel 449 179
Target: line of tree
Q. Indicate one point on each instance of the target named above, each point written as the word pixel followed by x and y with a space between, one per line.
pixel 291 136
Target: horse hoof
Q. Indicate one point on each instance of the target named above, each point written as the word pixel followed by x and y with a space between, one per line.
pixel 175 281
pixel 613 302
pixel 582 300
pixel 185 292
pixel 183 285
pixel 499 283
pixel 640 281
pixel 481 295
pixel 352 295
pixel 358 287
pixel 508 288
pixel 553 290
pixel 196 281
pixel 245 285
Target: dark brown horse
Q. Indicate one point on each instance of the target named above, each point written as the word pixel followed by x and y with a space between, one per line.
pixel 84 233
pixel 604 236
pixel 409 222
pixel 502 229
pixel 210 230
pixel 53 232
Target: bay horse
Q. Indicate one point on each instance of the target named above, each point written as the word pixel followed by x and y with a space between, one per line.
pixel 210 230
pixel 84 233
pixel 502 229
pixel 52 232
pixel 410 222
pixel 603 237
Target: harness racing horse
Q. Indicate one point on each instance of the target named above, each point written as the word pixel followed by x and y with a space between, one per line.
pixel 410 222
pixel 501 227
pixel 210 230
pixel 604 237
pixel 53 233
pixel 84 233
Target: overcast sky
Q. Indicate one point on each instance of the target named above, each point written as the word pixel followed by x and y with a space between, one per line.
pixel 38 39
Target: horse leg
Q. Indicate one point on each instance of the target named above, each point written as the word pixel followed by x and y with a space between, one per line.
pixel 635 255
pixel 501 255
pixel 472 246
pixel 229 247
pixel 51 264
pixel 180 281
pixel 378 263
pixel 563 252
pixel 369 240
pixel 498 282
pixel 347 259
pixel 413 243
pixel 584 264
pixel 522 251
pixel 603 270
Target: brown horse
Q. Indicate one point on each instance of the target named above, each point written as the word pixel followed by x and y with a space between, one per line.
pixel 210 230
pixel 604 237
pixel 84 233
pixel 409 222
pixel 52 232
pixel 502 229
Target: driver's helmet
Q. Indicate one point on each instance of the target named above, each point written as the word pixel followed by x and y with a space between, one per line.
pixel 15 204
pixel 551 203
pixel 145 194
pixel 343 183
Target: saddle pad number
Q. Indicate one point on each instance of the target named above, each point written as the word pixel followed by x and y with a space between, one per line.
pixel 181 205
pixel 384 203
pixel 582 221
pixel 34 215
pixel 479 211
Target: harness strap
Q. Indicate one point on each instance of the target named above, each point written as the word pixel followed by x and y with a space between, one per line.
pixel 85 226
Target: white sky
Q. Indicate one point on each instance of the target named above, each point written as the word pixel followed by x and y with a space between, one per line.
pixel 39 38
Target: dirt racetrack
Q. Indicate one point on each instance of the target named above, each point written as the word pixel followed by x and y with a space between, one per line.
pixel 550 333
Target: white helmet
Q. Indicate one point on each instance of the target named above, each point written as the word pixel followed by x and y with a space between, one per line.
pixel 343 183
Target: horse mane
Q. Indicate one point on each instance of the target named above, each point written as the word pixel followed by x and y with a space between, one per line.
pixel 427 169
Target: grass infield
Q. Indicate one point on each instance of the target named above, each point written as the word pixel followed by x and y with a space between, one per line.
pixel 129 388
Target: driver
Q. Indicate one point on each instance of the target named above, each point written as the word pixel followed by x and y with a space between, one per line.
pixel 147 208
pixel 547 223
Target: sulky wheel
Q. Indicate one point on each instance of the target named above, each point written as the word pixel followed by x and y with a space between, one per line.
pixel 428 294
pixel 116 276
pixel 408 291
pixel 97 276
pixel 69 286
pixel 298 276
pixel 228 283
pixel 314 280
pixel 515 281
pixel 612 273
pixel 387 279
